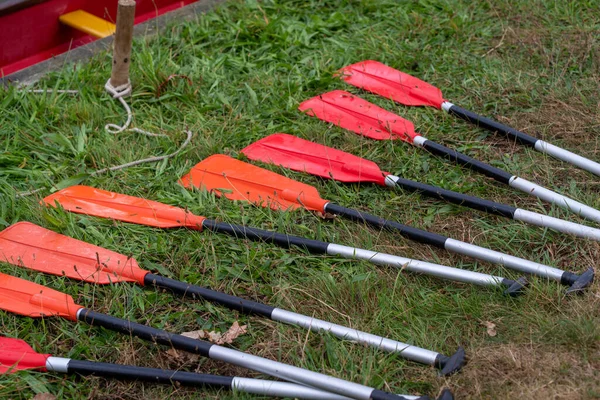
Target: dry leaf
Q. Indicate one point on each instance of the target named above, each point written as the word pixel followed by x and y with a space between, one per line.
pixel 44 396
pixel 491 328
pixel 217 337
pixel 182 357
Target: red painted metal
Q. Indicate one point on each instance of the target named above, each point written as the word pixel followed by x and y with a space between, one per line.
pixel 304 156
pixel 34 34
pixel 390 83
pixel 357 115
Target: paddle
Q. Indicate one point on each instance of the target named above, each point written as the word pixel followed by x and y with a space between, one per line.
pixel 250 183
pixel 30 246
pixel 16 355
pixel 405 89
pixel 304 156
pixel 101 203
pixel 29 299
pixel 359 116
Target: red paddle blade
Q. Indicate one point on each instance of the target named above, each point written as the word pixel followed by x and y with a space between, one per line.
pixel 237 180
pixel 304 156
pixel 390 83
pixel 27 245
pixel 101 203
pixel 17 355
pixel 359 116
pixel 26 298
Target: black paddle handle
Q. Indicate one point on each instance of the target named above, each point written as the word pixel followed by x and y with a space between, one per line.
pixel 259 235
pixel 462 159
pixel 492 125
pixel 476 203
pixel 153 375
pixel 415 234
pixel 193 291
pixel 144 332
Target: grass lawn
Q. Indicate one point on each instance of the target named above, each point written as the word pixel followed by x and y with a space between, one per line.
pixel 532 64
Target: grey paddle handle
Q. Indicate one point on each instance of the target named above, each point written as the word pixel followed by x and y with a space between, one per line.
pixel 552 197
pixel 282 389
pixel 567 156
pixel 557 224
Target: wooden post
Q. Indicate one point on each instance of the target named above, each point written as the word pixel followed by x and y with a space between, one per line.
pixel 122 43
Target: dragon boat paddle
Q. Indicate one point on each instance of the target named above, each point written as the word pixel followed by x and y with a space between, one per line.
pixel 16 355
pixel 302 155
pixel 248 182
pixel 405 89
pixel 105 204
pixel 359 116
pixel 22 297
pixel 237 180
pixel 27 245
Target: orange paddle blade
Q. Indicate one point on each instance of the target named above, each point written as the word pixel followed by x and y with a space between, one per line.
pixel 105 204
pixel 237 180
pixel 23 297
pixel 27 245
pixel 390 83
pixel 17 355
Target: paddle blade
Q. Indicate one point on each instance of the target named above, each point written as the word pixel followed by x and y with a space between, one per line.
pixel 304 156
pixel 26 298
pixel 101 203
pixel 237 180
pixel 357 115
pixel 17 355
pixel 390 83
pixel 27 245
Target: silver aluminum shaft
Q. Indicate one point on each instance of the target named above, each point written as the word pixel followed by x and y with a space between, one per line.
pixel 405 350
pixel 440 271
pixel 565 155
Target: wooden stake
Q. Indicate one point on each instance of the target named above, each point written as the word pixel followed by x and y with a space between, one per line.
pixel 122 43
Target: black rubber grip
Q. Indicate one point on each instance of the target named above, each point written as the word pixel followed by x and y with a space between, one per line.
pixel 280 239
pixel 415 234
pixel 193 291
pixel 145 332
pixel 457 198
pixel 153 375
pixel 462 159
pixel 492 125
pixel 381 395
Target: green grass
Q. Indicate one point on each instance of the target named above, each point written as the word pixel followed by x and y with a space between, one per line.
pixel 532 64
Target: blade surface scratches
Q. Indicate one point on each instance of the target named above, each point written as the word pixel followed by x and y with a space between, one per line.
pixel 31 246
pixel 358 115
pixel 390 83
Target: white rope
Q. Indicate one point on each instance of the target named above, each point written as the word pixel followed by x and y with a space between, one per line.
pixel 118 93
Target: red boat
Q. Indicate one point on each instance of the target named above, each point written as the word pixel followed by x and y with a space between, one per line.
pixel 32 31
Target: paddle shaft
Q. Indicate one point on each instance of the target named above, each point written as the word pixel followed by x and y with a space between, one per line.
pixel 155 375
pixel 492 207
pixel 215 352
pixel 453 245
pixel 522 138
pixel 508 179
pixel 319 247
pixel 449 364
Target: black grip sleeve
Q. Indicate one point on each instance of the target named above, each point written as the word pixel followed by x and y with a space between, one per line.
pixel 462 159
pixel 153 375
pixel 145 332
pixel 492 125
pixel 415 234
pixel 229 301
pixel 457 198
pixel 280 239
